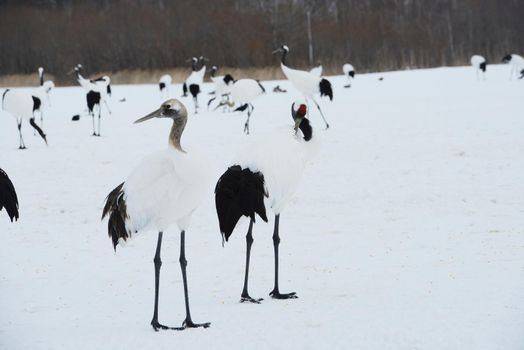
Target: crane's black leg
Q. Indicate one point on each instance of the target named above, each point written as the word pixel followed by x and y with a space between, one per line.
pixel 22 144
pixel 99 116
pixel 246 126
pixel 322 114
pixel 93 118
pixel 275 293
pixel 249 241
pixel 188 322
pixel 158 264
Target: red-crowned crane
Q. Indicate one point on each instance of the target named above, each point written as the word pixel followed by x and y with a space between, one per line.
pixel 164 83
pixel 349 73
pixel 223 85
pixel 102 85
pixel 516 62
pixel 243 92
pixel 46 85
pixel 163 190
pixel 97 91
pixel 268 167
pixel 195 79
pixel 22 105
pixel 8 198
pixel 41 93
pixel 306 82
pixel 479 63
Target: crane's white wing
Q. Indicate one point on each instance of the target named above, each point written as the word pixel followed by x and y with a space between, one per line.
pixel 165 189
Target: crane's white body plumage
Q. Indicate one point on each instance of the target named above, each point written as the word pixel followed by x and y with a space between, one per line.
pixel 305 82
pixel 165 189
pixel 221 88
pixel 245 91
pixel 281 157
pixel 18 103
pixel 166 79
pixel 196 77
pixel 42 92
pixel 476 60
pixel 316 71
pixel 517 64
pixel 346 68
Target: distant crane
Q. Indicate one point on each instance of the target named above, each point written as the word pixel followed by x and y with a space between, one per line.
pixel 516 62
pixel 101 85
pixel 195 79
pixel 164 189
pixel 349 73
pixel 164 83
pixel 223 85
pixel 97 90
pixel 8 197
pixel 22 105
pixel 479 63
pixel 268 167
pixel 243 92
pixel 305 82
pixel 41 93
pixel 46 85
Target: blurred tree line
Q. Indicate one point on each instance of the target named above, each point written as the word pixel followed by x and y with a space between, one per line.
pixel 110 35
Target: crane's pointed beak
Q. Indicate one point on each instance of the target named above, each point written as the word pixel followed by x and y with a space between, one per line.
pixel 155 114
pixel 277 51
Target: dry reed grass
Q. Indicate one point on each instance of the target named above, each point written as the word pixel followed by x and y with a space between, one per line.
pixel 152 76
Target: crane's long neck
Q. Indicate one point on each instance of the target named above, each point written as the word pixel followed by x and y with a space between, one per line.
pixel 284 53
pixel 176 133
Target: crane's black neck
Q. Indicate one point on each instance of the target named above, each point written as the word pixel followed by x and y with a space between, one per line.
pixel 284 53
pixel 306 129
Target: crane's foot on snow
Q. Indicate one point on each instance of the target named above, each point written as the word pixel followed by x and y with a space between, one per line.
pixel 275 294
pixel 245 298
pixel 156 326
pixel 327 126
pixel 190 324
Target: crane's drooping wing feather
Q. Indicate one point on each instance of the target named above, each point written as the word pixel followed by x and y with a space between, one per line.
pixel 8 197
pixel 115 207
pixel 239 192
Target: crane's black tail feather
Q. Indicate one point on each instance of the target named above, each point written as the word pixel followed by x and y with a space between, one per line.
pixel 92 98
pixel 116 208
pixel 194 89
pixel 8 198
pixel 325 89
pixel 241 108
pixel 239 192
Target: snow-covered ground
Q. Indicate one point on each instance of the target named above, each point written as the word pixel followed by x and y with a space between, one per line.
pixel 407 231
